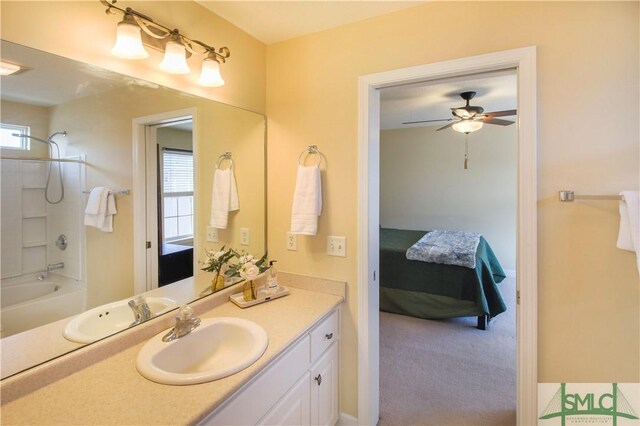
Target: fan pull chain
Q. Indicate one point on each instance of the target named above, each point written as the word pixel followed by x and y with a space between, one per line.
pixel 466 151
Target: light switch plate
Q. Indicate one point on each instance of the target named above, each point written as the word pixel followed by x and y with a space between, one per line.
pixel 244 236
pixel 337 246
pixel 212 234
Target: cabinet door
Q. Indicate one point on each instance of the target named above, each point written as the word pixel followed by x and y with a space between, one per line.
pixel 324 388
pixel 293 408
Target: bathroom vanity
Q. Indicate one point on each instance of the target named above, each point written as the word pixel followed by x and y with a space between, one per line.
pixel 294 381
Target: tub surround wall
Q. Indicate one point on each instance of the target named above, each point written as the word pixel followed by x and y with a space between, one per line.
pixel 64 396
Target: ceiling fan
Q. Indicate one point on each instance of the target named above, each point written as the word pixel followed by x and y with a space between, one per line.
pixel 470 118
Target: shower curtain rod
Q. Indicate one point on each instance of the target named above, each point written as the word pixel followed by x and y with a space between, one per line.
pixel 62 160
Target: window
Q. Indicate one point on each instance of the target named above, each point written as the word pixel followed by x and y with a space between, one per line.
pixel 7 140
pixel 177 194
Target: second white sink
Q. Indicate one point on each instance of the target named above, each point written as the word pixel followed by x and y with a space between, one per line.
pixel 107 319
pixel 219 347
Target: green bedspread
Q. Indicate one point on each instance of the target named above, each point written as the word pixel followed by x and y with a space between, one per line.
pixel 435 291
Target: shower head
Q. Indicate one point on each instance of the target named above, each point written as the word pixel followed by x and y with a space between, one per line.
pixel 63 133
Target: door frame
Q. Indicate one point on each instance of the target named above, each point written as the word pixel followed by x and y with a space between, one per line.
pixel 143 261
pixel 524 61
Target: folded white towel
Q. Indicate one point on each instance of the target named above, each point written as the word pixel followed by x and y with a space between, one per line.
pixel 224 197
pixel 629 233
pixel 307 201
pixel 101 207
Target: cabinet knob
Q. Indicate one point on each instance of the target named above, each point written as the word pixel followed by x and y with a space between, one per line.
pixel 328 336
pixel 318 379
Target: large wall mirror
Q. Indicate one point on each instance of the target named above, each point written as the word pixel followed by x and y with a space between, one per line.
pixel 155 150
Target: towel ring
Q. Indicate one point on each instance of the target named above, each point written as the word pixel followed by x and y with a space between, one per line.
pixel 311 150
pixel 225 156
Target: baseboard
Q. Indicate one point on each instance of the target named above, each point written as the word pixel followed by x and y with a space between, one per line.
pixel 511 273
pixel 346 420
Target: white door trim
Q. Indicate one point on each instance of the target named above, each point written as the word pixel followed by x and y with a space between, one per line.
pixel 524 61
pixel 141 262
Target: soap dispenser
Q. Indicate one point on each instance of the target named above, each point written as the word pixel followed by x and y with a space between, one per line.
pixel 272 278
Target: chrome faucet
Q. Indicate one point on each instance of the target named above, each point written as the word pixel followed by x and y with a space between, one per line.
pixel 185 324
pixel 141 311
pixel 52 266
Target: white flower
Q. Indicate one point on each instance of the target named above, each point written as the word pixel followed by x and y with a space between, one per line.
pixel 249 271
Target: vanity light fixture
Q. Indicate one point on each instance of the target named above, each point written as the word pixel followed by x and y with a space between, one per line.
pixel 467 126
pixel 137 30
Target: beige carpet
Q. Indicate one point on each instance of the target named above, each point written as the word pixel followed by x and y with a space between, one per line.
pixel 448 372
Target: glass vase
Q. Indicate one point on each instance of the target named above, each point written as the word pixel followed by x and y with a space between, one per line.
pixel 249 290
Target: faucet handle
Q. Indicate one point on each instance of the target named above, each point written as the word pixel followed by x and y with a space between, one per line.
pixel 185 312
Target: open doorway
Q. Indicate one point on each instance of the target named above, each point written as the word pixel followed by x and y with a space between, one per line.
pixel 448 197
pixel 524 61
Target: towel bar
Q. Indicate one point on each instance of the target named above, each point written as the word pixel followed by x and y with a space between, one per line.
pixel 114 192
pixel 568 195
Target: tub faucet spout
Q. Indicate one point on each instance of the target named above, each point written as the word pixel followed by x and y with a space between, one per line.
pixel 53 266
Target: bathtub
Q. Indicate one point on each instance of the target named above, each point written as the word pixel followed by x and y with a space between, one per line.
pixel 27 302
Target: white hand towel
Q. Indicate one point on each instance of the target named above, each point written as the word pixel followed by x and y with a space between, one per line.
pixel 101 207
pixel 107 225
pixel 96 207
pixel 307 201
pixel 629 233
pixel 224 197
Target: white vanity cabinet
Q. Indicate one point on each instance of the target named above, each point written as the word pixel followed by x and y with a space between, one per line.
pixel 299 388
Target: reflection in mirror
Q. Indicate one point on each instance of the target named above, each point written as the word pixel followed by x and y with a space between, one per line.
pixel 60 259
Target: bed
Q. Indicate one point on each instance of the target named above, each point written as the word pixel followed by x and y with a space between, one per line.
pixel 437 291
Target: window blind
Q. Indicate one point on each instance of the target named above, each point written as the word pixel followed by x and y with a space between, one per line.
pixel 177 171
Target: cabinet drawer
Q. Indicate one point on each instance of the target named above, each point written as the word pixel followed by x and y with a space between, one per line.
pixel 323 335
pixel 253 401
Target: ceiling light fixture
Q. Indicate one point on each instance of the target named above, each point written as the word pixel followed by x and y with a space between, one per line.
pixel 467 126
pixel 8 69
pixel 137 30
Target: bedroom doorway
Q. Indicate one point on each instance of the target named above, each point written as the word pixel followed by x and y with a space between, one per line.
pixel 448 189
pixel 523 61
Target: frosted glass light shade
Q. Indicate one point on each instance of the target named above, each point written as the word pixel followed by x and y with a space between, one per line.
pixel 210 74
pixel 129 42
pixel 467 126
pixel 175 59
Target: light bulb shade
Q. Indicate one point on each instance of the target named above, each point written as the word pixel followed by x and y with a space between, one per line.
pixel 175 59
pixel 210 75
pixel 467 126
pixel 129 42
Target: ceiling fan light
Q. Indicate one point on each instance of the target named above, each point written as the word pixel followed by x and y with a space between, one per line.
pixel 210 74
pixel 128 43
pixel 467 126
pixel 175 59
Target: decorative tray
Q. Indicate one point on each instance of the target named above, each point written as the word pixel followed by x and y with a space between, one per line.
pixel 238 298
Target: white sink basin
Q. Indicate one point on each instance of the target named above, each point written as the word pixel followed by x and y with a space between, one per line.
pixel 107 319
pixel 219 347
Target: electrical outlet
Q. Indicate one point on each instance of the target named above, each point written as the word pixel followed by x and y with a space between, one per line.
pixel 292 241
pixel 337 246
pixel 212 234
pixel 244 236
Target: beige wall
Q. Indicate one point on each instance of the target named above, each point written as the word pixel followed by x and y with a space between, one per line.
pixel 107 144
pixel 34 116
pixel 423 184
pixel 588 112
pixel 80 30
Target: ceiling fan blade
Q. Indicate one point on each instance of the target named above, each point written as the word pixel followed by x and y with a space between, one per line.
pixel 497 121
pixel 427 121
pixel 447 126
pixel 505 113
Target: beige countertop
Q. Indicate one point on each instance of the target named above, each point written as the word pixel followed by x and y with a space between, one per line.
pixel 111 391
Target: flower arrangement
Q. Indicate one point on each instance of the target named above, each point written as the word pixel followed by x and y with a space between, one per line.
pixel 214 262
pixel 217 259
pixel 247 266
